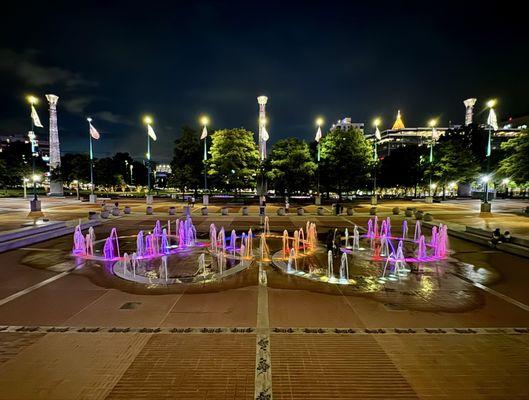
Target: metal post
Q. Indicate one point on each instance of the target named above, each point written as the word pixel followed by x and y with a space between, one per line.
pixel 431 163
pixel 91 162
pixel 318 168
pixel 205 164
pixel 489 150
pixel 375 155
pixel 33 140
pixel 148 162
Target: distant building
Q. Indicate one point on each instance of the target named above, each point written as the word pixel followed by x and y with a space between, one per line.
pixel 400 136
pixel 346 123
pixel 43 149
pixel 161 174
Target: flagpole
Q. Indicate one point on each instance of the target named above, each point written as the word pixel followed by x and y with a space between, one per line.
pixel 205 164
pixel 148 161
pixel 33 152
pixel 91 158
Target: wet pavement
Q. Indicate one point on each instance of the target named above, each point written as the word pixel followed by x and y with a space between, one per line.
pixel 42 286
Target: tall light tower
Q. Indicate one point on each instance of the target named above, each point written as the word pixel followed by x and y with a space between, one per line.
pixel 263 134
pixel 469 105
pixel 55 149
pixel 263 138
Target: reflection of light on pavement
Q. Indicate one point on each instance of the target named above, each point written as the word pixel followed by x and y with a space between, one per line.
pixel 426 286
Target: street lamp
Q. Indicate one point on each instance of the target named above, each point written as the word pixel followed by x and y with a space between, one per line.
pixel 432 124
pixel 147 120
pixel 76 183
pixel 32 100
pixel 376 123
pixel 25 183
pixel 492 124
pixel 319 122
pixel 204 121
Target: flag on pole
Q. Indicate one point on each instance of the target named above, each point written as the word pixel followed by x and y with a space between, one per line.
pixel 318 134
pixel 93 132
pixel 204 133
pixel 378 136
pixel 35 117
pixel 492 120
pixel 151 133
pixel 264 134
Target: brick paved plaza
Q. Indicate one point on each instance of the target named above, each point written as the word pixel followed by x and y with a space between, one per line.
pixel 71 330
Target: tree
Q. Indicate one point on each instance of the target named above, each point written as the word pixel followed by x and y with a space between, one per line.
pixel 346 160
pixel 403 167
pixel 187 165
pixel 106 174
pixel 122 162
pixel 290 166
pixel 234 161
pixel 516 164
pixel 456 158
pixel 17 160
pixel 75 167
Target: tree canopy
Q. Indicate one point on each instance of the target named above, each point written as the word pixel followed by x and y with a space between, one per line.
pixel 234 160
pixel 290 166
pixel 187 165
pixel 346 160
pixel 516 165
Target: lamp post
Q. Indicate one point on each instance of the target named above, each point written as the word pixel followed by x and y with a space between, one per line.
pixel 376 123
pixel 492 124
pixel 432 124
pixel 32 100
pixel 204 121
pixel 319 122
pixel 150 134
pixel 131 179
pixel 76 183
pixel 25 183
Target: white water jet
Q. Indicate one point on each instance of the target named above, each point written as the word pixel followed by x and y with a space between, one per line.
pixel 329 264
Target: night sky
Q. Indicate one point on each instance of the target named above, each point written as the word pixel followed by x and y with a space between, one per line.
pixel 116 60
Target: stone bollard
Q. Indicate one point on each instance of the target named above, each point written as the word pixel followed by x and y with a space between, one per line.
pixel 127 210
pixel 115 212
pixel 301 211
pixel 245 211
pixel 172 210
pixel 408 212
pixel 428 217
pixel 105 214
pixel 419 215
pixel 373 211
pixel 92 215
pixel 396 211
pixel 350 211
pixel 186 210
pixel 280 211
pixel 224 211
pixel 204 210
pixel 320 211
pixel 148 210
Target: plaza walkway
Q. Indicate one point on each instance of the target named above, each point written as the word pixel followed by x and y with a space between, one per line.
pixel 74 332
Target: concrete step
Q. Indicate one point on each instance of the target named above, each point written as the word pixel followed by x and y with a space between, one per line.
pixel 30 230
pixel 39 235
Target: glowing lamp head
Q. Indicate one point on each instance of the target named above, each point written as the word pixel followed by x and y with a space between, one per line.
pixel 486 178
pixel 204 120
pixel 147 119
pixel 26 179
pixel 377 121
pixel 432 123
pixel 89 119
pixel 319 121
pixel 36 178
pixel 32 100
pixel 491 103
